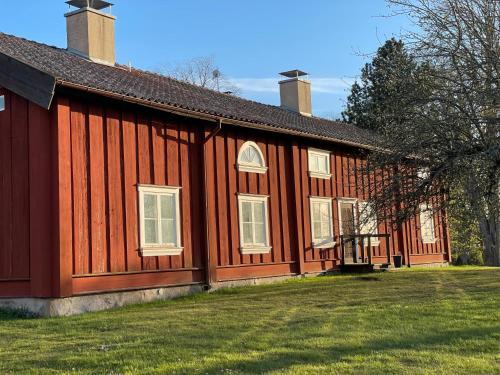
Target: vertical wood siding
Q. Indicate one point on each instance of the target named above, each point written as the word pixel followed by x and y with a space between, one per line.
pixel 68 191
pixel 14 188
pixel 229 182
pixel 25 198
pixel 113 150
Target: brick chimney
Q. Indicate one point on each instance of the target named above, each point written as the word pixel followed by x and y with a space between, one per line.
pixel 295 92
pixel 91 31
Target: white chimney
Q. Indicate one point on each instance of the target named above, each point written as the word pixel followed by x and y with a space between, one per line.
pixel 295 92
pixel 91 32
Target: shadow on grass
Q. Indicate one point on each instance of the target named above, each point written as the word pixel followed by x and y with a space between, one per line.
pixel 283 357
pixel 16 314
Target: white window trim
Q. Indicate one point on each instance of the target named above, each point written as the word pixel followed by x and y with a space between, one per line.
pixel 2 103
pixel 316 174
pixel 374 241
pixel 159 249
pixel 329 243
pixel 246 249
pixel 247 167
pixel 424 208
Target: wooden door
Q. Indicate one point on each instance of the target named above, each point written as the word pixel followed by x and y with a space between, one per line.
pixel 348 228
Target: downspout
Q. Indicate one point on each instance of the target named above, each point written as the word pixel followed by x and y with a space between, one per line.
pixel 208 273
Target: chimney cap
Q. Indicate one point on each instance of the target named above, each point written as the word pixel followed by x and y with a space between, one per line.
pixel 294 73
pixel 94 4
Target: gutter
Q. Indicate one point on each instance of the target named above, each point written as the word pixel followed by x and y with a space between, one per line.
pixel 206 116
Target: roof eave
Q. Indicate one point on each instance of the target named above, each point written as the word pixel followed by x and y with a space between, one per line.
pixel 206 116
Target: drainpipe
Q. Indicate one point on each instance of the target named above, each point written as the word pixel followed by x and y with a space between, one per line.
pixel 208 271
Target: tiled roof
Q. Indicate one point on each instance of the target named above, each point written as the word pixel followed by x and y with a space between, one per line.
pixel 155 89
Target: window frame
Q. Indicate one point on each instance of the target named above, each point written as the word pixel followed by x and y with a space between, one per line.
pixel 147 249
pixel 254 248
pixel 2 103
pixel 374 241
pixel 319 243
pixel 425 210
pixel 249 167
pixel 318 174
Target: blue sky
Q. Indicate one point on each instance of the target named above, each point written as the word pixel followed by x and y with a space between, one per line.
pixel 251 40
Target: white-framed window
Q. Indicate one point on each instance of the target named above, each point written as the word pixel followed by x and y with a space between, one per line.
pixel 368 223
pixel 254 224
pixel 427 224
pixel 251 159
pixel 319 163
pixel 160 220
pixel 2 103
pixel 321 222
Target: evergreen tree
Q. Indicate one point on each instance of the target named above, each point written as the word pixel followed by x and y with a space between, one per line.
pixel 390 83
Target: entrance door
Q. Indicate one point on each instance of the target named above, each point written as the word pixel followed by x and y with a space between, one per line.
pixel 347 228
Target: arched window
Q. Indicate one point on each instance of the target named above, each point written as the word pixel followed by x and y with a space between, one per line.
pixel 250 159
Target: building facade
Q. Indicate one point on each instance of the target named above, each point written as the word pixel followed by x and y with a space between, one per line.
pixel 115 180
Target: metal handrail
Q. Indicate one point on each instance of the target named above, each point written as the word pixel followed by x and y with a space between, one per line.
pixel 354 237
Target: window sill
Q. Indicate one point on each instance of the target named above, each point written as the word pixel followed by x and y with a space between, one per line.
pixel 429 242
pixel 324 245
pixel 248 250
pixel 324 176
pixel 251 169
pixel 161 251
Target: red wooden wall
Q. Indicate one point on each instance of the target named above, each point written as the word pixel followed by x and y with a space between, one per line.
pixel 113 149
pixel 224 182
pixel 25 196
pixel 68 192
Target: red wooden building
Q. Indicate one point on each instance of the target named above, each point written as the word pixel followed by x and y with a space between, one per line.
pixel 115 180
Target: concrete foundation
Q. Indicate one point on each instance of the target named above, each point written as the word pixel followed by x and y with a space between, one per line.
pixel 50 307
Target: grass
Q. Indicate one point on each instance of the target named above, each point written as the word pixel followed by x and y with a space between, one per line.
pixel 436 321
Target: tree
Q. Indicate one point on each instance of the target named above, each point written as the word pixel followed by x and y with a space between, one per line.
pixel 203 72
pixel 385 84
pixel 447 136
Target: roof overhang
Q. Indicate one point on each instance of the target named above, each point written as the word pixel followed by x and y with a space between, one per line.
pixel 26 81
pixel 209 117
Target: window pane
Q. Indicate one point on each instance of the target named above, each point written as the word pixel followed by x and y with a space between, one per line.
pixel 247 233
pixel 316 229
pixel 325 212
pixel 246 212
pixel 322 164
pixel 325 230
pixel 313 160
pixel 316 212
pixel 167 207
pixel 251 156
pixel 260 233
pixel 150 206
pixel 168 231
pixel 150 231
pixel 259 212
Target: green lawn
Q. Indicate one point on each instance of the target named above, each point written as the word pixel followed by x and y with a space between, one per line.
pixel 439 321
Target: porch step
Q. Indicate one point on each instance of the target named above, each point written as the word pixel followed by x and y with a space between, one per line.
pixel 357 268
